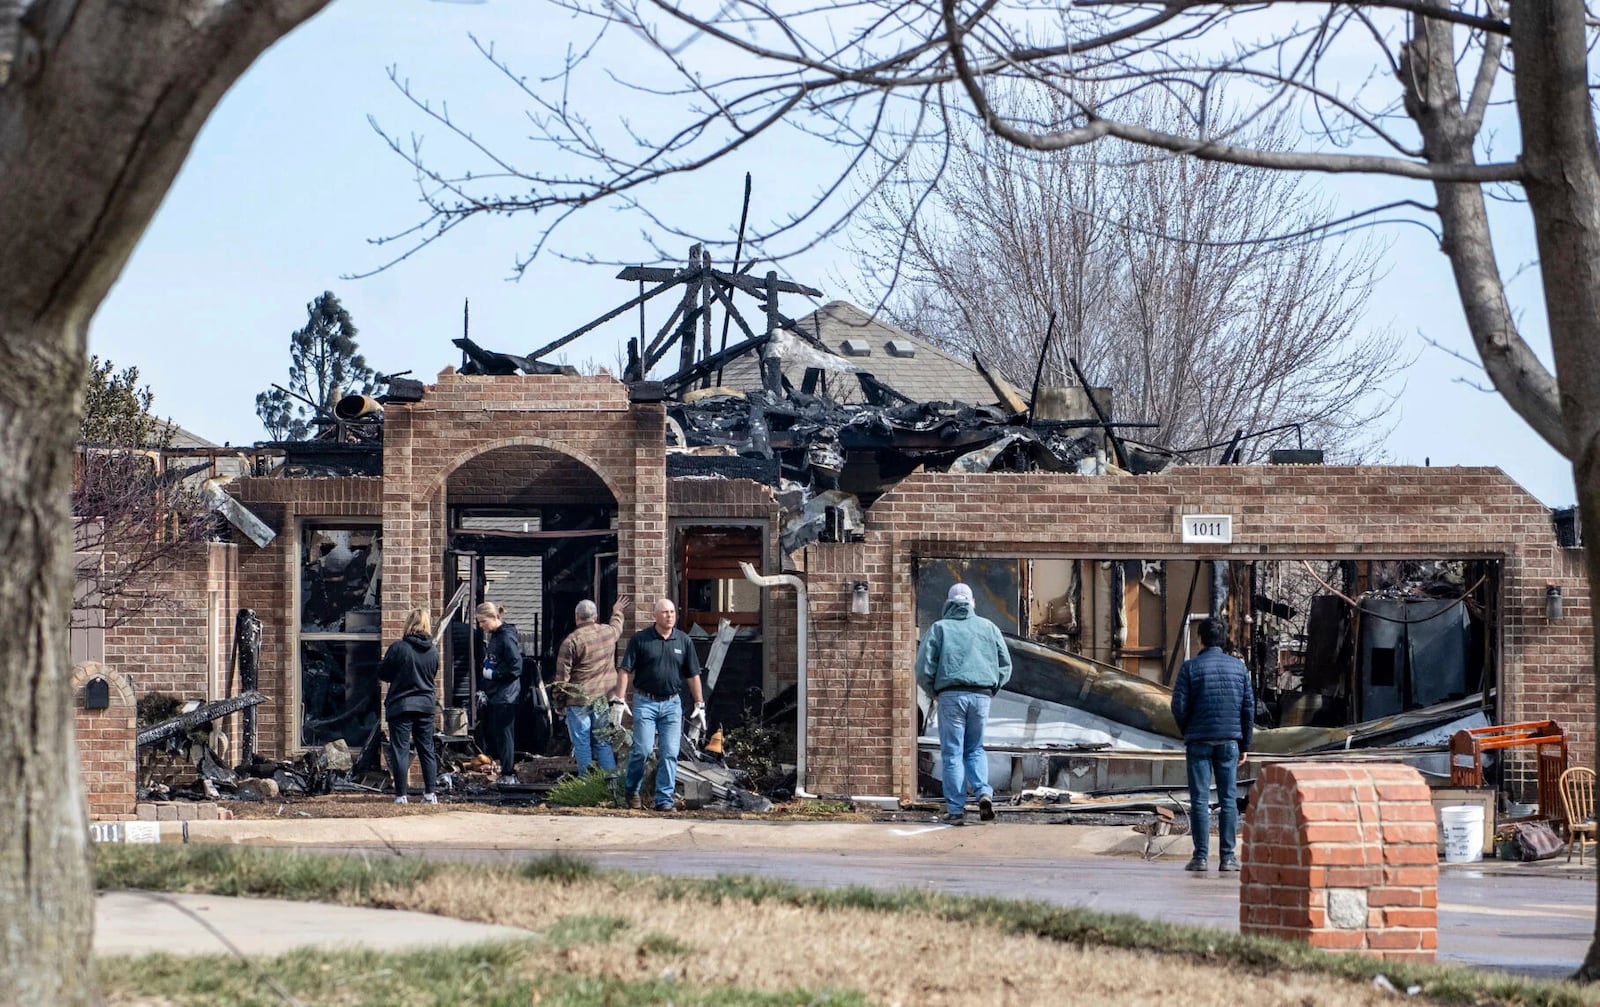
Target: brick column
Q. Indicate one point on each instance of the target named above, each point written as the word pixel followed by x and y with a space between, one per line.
pixel 107 751
pixel 1343 858
pixel 642 522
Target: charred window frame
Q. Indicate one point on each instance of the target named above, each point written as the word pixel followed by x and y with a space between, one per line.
pixel 720 589
pixel 338 617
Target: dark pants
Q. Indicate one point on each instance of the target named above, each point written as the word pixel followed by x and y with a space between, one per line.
pixel 403 728
pixel 499 735
pixel 1207 759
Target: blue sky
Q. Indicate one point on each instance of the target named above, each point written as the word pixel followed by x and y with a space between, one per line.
pixel 287 184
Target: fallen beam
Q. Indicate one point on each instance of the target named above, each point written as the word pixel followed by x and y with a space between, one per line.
pixel 186 722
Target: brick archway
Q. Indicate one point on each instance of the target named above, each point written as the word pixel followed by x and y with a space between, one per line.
pixel 587 419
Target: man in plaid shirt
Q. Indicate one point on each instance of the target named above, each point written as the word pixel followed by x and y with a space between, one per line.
pixel 586 671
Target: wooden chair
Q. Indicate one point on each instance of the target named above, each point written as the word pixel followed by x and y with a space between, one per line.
pixel 1577 795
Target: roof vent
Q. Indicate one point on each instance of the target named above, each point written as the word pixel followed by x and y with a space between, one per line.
pixel 856 348
pixel 901 348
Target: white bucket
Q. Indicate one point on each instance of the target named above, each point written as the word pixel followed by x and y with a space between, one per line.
pixel 1462 829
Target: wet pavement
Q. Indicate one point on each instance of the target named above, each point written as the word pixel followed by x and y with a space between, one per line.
pixel 1532 923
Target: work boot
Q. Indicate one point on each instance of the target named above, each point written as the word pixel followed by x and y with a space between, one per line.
pixel 1196 864
pixel 1229 865
pixel 986 809
pixel 635 802
pixel 953 818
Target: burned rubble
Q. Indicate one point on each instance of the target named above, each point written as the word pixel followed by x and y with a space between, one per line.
pixel 1351 655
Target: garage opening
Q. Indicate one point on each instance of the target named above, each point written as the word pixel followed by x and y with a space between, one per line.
pixel 1343 652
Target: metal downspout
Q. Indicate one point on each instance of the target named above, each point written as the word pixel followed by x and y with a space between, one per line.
pixel 790 580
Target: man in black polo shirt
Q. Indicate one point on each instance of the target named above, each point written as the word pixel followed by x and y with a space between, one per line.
pixel 659 661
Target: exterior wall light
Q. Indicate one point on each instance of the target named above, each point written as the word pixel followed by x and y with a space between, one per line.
pixel 1552 602
pixel 860 604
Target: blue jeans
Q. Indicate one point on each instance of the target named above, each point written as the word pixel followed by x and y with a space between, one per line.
pixel 656 723
pixel 962 716
pixel 582 722
pixel 1205 759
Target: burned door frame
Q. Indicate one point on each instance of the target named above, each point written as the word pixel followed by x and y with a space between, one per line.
pixel 296 635
pixel 676 527
pixel 545 627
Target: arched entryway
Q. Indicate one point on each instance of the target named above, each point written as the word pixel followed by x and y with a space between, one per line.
pixel 535 531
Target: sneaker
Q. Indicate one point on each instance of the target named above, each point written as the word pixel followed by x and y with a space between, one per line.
pixel 953 819
pixel 508 781
pixel 986 809
pixel 430 798
pixel 402 799
pixel 665 807
pixel 1229 865
pixel 1195 864
pixel 635 802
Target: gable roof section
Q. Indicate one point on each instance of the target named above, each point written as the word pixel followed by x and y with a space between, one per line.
pixel 930 375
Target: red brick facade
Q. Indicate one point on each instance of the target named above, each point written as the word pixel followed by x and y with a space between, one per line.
pixel 179 645
pixel 1342 858
pixel 520 440
pixel 862 695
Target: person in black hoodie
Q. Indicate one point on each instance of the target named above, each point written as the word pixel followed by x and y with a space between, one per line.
pixel 499 680
pixel 410 666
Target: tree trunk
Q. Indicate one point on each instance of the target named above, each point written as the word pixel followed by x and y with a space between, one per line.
pixel 45 885
pixel 1563 186
pixel 1449 134
pixel 97 114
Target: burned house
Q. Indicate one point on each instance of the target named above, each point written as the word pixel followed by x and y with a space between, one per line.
pixel 1357 595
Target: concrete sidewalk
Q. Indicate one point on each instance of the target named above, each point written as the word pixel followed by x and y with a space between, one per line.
pixel 142 923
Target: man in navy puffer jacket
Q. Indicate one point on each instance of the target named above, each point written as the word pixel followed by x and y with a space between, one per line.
pixel 1215 708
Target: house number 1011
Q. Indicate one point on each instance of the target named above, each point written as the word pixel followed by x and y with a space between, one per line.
pixel 1214 528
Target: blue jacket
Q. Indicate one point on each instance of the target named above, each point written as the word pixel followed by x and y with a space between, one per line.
pixel 502 651
pixel 1212 699
pixel 963 651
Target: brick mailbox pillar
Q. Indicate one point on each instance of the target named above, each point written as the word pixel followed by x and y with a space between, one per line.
pixel 1343 858
pixel 107 740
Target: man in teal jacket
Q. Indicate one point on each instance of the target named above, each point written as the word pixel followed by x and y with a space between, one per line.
pixel 963 662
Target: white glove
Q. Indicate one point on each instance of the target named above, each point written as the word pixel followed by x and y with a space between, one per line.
pixel 698 717
pixel 615 710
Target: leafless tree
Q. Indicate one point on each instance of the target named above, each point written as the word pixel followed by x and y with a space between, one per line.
pixel 100 101
pixel 1404 89
pixel 133 520
pixel 1163 279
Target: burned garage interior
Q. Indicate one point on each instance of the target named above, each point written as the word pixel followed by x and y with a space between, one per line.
pixel 1337 649
pixel 805 490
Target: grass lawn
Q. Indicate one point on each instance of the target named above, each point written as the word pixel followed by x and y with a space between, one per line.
pixel 614 938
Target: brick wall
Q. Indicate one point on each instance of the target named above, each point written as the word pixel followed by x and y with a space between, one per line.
pixel 179 645
pixel 1342 858
pixel 863 707
pixel 106 743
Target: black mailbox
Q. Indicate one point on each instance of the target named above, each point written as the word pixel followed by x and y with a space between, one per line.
pixel 96 694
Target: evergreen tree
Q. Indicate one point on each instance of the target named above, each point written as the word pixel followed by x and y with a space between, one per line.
pixel 116 410
pixel 323 368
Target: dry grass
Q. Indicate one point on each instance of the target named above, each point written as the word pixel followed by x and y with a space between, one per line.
pixel 752 938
